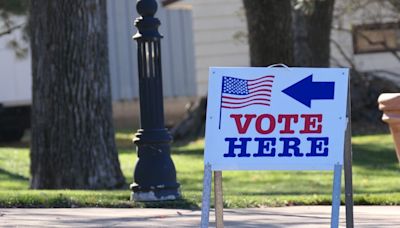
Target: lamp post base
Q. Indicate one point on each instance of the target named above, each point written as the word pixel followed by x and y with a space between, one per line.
pixel 159 193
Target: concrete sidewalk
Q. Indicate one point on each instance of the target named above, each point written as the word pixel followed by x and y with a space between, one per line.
pixel 296 216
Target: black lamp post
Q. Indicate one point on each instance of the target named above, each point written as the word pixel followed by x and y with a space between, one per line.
pixel 154 175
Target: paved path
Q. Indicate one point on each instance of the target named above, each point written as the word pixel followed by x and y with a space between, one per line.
pixel 296 216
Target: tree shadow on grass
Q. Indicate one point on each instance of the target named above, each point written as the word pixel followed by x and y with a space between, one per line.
pixel 73 201
pixel 174 151
pixel 193 152
pixel 374 157
pixel 12 176
pixel 20 145
pixel 180 203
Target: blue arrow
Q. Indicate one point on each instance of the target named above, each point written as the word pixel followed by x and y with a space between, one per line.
pixel 306 90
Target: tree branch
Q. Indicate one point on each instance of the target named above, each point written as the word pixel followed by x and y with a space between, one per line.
pixel 371 42
pixel 11 29
pixel 342 52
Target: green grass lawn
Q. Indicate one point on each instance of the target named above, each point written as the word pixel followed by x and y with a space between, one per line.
pixel 376 179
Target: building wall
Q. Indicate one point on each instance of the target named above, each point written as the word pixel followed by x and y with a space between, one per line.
pixel 216 23
pixel 342 34
pixel 15 79
pixel 127 113
pixel 178 62
pixel 177 51
pixel 176 47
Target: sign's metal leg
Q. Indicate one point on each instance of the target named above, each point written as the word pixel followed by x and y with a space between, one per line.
pixel 218 200
pixel 348 173
pixel 337 176
pixel 205 205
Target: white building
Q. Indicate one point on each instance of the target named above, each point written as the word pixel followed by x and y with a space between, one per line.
pixel 219 28
pixel 177 64
pixel 203 33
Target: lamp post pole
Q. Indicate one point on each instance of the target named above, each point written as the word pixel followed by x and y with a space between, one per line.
pixel 154 175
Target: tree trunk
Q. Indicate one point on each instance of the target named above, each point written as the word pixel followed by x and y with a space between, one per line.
pixel 269 31
pixel 270 41
pixel 312 34
pixel 193 124
pixel 72 134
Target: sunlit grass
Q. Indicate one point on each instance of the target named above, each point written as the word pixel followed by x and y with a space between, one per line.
pixel 376 178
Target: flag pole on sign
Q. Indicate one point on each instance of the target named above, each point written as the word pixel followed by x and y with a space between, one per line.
pixel 220 104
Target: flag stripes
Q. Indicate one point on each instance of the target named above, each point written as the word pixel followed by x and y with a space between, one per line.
pixel 239 93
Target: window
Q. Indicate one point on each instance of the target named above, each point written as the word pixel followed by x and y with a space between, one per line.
pixel 370 38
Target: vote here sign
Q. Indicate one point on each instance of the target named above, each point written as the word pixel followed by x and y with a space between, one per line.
pixel 276 118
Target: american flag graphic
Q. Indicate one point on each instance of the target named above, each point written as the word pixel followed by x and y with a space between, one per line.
pixel 239 93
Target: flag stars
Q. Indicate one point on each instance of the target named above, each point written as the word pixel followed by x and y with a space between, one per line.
pixel 234 86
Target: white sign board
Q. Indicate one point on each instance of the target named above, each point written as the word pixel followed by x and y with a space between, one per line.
pixel 276 118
